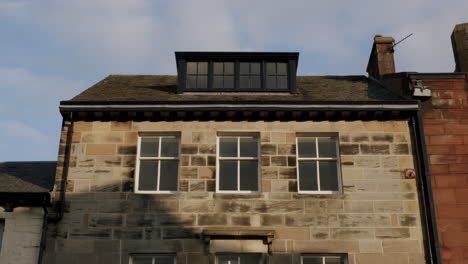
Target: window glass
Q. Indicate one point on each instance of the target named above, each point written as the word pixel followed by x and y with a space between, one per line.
pixel 152 259
pixel 228 175
pixel 147 178
pixel 317 259
pixel 312 260
pixel 223 75
pixel 239 259
pixel 318 172
pixel 142 260
pixel 197 75
pixel 158 164
pixel 248 175
pixel 238 164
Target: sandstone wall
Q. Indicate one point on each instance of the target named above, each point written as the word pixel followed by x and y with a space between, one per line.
pixel 375 220
pixel 21 236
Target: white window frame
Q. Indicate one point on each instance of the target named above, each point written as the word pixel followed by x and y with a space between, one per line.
pixel 238 159
pixel 154 256
pixel 159 158
pixel 317 159
pixel 239 255
pixel 343 257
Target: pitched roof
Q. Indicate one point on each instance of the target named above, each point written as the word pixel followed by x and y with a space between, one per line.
pixel 162 88
pixel 29 176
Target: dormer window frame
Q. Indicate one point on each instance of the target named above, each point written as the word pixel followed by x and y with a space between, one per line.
pixel 186 75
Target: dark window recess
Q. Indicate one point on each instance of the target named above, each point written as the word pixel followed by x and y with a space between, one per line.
pixel 276 75
pixel 250 75
pixel 197 75
pixel 237 71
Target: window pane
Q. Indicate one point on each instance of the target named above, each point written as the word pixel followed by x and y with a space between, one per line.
pixel 244 82
pixel 251 259
pixel 227 175
pixel 191 67
pixel 328 176
pixel 312 260
pixel 308 176
pixel 249 175
pixel 271 82
pixel 228 147
pixel 248 147
pixel 306 147
pixel 282 68
pixel 192 81
pixel 218 68
pixel 244 68
pixel 149 147
pixel 203 68
pixel 327 147
pixel 271 68
pixel 228 82
pixel 168 175
pixel 228 260
pixel 169 147
pixel 332 260
pixel 229 68
pixel 255 68
pixel 282 82
pixel 218 81
pixel 202 81
pixel 165 260
pixel 255 82
pixel 147 176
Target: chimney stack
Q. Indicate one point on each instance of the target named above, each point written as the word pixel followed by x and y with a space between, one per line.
pixel 381 59
pixel 460 47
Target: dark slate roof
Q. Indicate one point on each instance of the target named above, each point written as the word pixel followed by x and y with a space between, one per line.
pixel 28 176
pixel 162 88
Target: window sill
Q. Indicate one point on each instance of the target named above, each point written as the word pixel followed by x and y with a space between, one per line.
pixel 318 195
pixel 237 195
pixel 156 192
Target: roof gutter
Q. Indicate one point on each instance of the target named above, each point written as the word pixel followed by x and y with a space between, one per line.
pixel 179 107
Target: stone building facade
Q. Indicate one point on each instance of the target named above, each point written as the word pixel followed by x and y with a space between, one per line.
pixel 375 218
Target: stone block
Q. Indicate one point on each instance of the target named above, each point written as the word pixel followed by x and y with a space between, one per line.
pixel 121 126
pixel 360 138
pixel 113 161
pixel 212 219
pixel 271 220
pixel 287 173
pixel 113 206
pixel 279 161
pixel 197 185
pixel 233 206
pixel 388 206
pixel 211 160
pixel 295 233
pixel 190 206
pixel 198 161
pixel 127 149
pixel 268 149
pixel 280 259
pixel 382 137
pixel 180 233
pixel 277 206
pixel 278 137
pixel 269 173
pixel 128 162
pixel 128 233
pixel 292 161
pixel 319 233
pixel 207 149
pixel 279 185
pixel 349 149
pixel 206 173
pixel 240 220
pixel 193 245
pixel 391 233
pixel 358 206
pixel 286 149
pixel 408 220
pixel 101 149
pixel 400 149
pixel 73 246
pixel 401 246
pixel 389 161
pixel 372 258
pixel 188 172
pixel 375 149
pixel 356 220
pixel 106 220
pixel 292 186
pixel 300 220
pixel 351 233
pixel 370 246
pixel 189 149
pixel 89 233
pixel 265 161
pixel 152 233
pixel 131 138
pixel 316 207
pixel 85 161
pixel 175 219
pixel 326 246
pixel 367 161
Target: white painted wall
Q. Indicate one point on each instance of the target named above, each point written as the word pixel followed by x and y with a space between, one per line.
pixel 22 235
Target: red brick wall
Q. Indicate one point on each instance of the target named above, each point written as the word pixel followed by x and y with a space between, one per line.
pixel 446 129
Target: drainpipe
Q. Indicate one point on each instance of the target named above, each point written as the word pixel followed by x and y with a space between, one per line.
pixel 43 236
pixel 423 174
pixel 66 163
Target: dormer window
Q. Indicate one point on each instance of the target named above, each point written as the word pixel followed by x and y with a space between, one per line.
pixel 236 71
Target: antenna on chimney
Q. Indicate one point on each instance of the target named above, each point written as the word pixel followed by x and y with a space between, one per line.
pixel 398 42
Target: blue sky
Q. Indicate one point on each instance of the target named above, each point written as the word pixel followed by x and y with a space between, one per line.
pixel 51 50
